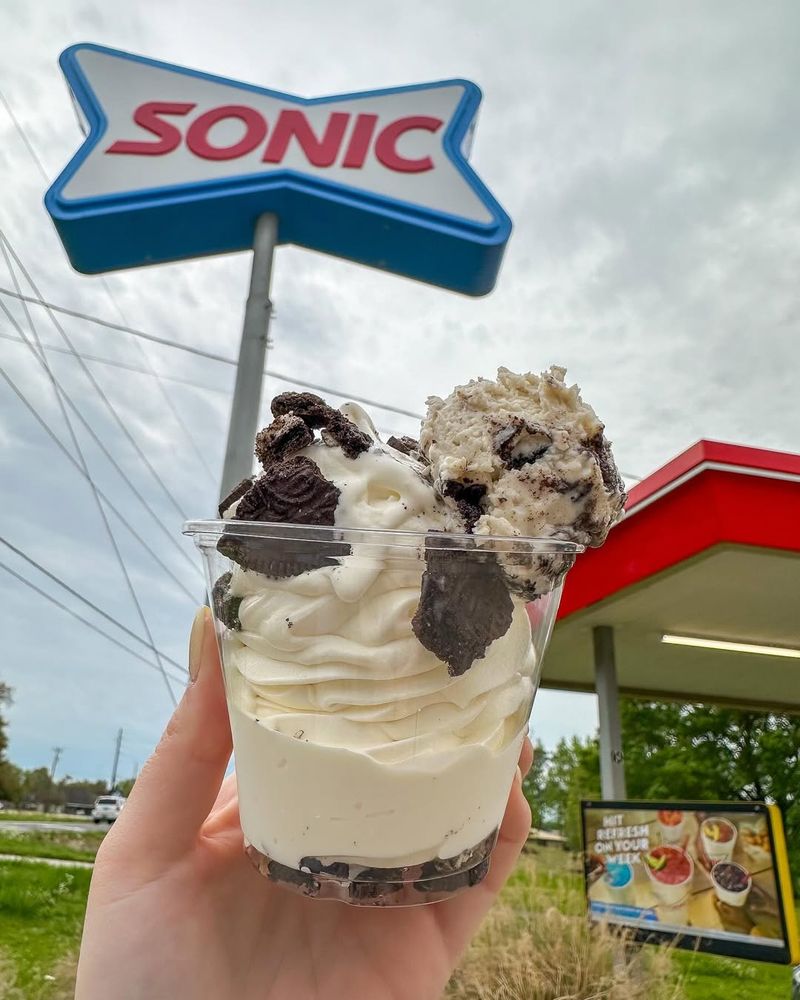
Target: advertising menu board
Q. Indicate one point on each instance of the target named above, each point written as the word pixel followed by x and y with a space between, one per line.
pixel 711 875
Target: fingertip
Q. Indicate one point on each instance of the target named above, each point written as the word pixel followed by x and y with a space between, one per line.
pixel 526 756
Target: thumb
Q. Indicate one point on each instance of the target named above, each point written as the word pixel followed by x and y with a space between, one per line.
pixel 177 787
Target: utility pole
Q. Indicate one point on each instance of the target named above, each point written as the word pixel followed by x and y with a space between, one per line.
pixel 116 761
pixel 57 751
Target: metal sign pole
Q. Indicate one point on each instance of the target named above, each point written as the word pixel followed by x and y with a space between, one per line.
pixel 252 355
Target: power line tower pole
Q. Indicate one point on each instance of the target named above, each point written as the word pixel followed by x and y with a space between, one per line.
pixel 116 761
pixel 57 751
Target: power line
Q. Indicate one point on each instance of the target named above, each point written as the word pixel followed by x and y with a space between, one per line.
pixel 162 389
pixel 115 363
pixel 214 357
pixel 123 520
pixel 208 355
pixel 212 388
pixel 96 385
pixel 59 393
pixel 171 378
pixel 37 160
pixel 86 601
pixel 90 430
pixel 119 327
pixel 344 395
pixel 23 135
pixel 86 622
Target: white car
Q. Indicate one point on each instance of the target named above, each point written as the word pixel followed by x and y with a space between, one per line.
pixel 107 807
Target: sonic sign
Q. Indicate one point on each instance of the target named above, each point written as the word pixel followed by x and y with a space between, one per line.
pixel 180 164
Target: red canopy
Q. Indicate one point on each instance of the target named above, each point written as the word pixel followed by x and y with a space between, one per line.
pixel 709 548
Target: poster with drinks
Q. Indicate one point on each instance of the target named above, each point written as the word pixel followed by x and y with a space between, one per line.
pixel 713 876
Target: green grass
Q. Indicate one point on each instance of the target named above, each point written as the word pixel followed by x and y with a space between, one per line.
pixel 41 915
pixel 69 845
pixel 707 977
pixel 40 817
pixel 535 933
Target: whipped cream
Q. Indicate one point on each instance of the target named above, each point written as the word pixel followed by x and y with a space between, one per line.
pixel 352 740
pixel 383 756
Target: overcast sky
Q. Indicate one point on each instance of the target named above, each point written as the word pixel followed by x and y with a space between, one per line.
pixel 648 156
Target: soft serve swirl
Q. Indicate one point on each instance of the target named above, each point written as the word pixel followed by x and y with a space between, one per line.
pixel 331 653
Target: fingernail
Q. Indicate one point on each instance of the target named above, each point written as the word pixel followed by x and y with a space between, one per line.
pixel 196 637
pixel 518 776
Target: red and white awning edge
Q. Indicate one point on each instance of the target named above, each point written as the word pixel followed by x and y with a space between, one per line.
pixel 711 494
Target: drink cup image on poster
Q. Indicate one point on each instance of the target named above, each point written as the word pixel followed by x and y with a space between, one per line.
pixel 712 876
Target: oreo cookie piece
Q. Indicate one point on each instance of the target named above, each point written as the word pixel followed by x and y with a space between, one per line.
pixel 292 491
pixel 464 603
pixel 283 873
pixel 336 869
pixel 376 882
pixel 286 435
pixel 226 606
pixel 612 480
pixel 408 445
pixel 467 497
pixel 236 493
pixel 437 867
pixel 532 574
pixel 458 880
pixel 313 410
pixel 316 414
pixel 518 442
pixel 339 430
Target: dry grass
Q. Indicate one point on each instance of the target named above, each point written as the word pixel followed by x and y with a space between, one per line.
pixel 536 944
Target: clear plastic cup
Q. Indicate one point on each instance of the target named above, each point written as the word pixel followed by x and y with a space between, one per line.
pixel 379 685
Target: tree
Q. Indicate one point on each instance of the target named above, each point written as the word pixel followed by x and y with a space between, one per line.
pixel 709 752
pixel 124 787
pixel 80 792
pixel 573 773
pixel 11 782
pixel 533 786
pixel 38 787
pixel 10 776
pixel 5 699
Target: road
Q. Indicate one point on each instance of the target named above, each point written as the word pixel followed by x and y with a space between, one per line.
pixel 42 825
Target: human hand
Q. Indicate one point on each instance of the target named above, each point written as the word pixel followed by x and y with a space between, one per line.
pixel 176 910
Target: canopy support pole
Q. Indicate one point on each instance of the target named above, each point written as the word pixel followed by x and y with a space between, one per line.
pixel 612 766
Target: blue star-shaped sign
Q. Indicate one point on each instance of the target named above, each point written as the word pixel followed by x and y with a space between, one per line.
pixel 180 164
